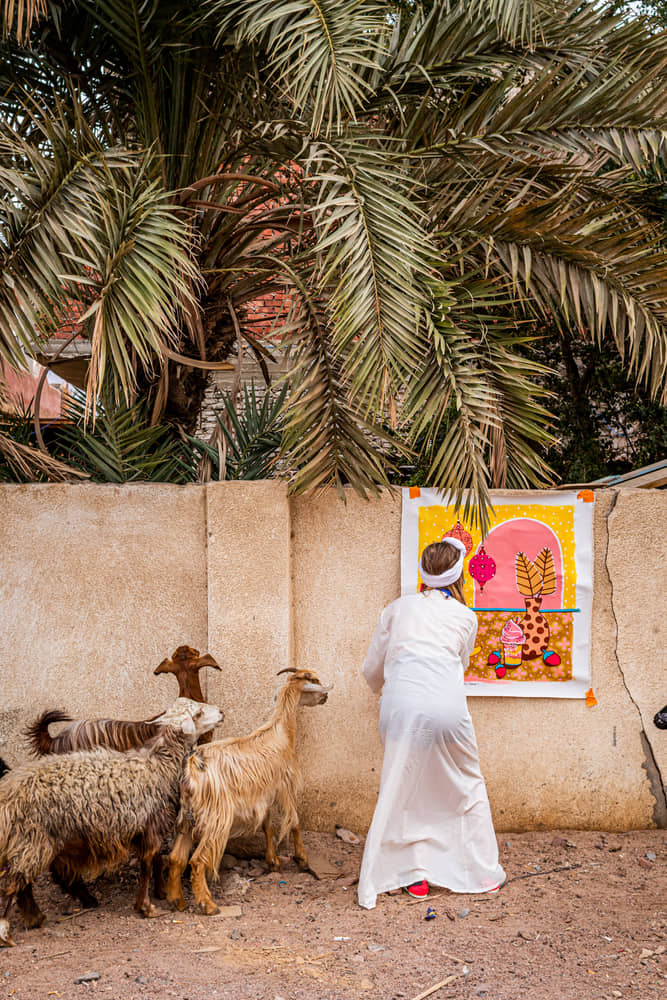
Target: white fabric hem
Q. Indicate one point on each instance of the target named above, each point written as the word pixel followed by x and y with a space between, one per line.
pixel 419 876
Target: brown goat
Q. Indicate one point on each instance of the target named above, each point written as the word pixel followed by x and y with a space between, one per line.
pixel 185 663
pixel 231 786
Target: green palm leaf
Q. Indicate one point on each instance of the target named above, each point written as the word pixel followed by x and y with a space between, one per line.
pixel 326 442
pixel 122 446
pixel 471 405
pixel 251 431
pixel 372 248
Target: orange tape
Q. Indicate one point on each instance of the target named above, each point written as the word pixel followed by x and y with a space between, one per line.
pixel 414 492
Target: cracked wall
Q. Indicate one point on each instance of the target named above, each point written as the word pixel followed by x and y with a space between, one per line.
pixel 548 763
pixel 100 583
pixel 635 562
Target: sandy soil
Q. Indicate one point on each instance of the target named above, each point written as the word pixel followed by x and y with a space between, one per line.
pixel 596 927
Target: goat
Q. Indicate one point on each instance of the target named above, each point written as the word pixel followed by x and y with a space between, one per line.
pixel 114 735
pixel 88 810
pixel 231 785
pixel 185 663
pixel 110 733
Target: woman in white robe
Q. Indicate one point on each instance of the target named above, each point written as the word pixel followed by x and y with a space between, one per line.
pixel 432 822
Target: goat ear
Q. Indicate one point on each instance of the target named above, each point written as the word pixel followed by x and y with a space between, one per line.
pixel 166 667
pixel 189 727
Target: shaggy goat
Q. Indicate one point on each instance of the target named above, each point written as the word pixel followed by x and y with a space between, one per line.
pixel 185 663
pixel 110 733
pixel 231 785
pixel 88 811
pixel 88 735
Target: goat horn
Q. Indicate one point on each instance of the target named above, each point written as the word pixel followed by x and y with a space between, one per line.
pixel 287 670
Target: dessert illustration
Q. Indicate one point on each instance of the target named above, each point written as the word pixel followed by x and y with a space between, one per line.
pixel 512 640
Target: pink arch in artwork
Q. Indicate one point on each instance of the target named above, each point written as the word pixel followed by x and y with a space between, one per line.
pixel 521 534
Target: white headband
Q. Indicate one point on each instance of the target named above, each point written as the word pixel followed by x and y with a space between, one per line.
pixel 450 575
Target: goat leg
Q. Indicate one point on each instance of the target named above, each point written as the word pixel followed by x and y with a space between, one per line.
pixel 300 855
pixel 72 885
pixel 199 885
pixel 6 939
pixel 159 887
pixel 28 908
pixel 178 860
pixel 270 857
pixel 149 849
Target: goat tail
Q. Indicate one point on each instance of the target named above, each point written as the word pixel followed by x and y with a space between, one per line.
pixel 40 742
pixel 205 800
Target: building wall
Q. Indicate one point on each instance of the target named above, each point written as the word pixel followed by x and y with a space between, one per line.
pixel 18 389
pixel 100 583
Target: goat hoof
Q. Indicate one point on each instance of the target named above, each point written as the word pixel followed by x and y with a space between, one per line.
pixel 88 901
pixel 146 911
pixel 209 909
pixel 6 940
pixel 178 904
pixel 33 920
pixel 303 864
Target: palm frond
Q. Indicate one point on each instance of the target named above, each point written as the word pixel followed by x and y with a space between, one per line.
pixel 371 247
pixel 471 404
pixel 518 21
pixel 84 224
pixel 252 432
pixel 20 15
pixel 25 464
pixel 21 461
pixel 122 446
pixel 317 49
pixel 326 442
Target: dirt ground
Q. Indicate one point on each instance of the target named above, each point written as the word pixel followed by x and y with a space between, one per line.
pixel 584 915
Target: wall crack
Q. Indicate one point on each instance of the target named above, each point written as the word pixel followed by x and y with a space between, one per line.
pixel 650 764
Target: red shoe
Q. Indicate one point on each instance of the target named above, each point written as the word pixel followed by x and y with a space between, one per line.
pixel 419 890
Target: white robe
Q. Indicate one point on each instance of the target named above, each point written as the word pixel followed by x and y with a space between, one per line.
pixel 432 819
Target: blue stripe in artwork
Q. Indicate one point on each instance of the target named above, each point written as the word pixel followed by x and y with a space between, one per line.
pixel 542 611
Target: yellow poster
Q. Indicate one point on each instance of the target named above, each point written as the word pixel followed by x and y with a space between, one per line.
pixel 529 581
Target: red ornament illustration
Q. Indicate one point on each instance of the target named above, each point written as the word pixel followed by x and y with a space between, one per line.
pixel 482 567
pixel 458 531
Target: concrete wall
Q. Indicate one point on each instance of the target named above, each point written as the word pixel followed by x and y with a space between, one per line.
pixel 100 583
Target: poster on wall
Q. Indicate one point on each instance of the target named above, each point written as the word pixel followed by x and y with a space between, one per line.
pixel 529 581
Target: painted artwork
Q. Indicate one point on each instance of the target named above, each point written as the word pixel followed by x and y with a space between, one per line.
pixel 529 581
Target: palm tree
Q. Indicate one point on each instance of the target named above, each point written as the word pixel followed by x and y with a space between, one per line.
pixel 416 185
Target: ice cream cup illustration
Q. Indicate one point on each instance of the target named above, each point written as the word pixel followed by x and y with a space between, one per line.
pixel 512 639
